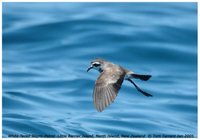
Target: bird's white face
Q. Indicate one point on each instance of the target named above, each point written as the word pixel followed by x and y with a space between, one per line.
pixel 96 65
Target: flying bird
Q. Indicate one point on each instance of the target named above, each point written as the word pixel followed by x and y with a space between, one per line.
pixel 110 80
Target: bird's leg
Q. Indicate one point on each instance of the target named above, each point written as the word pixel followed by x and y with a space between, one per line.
pixel 140 90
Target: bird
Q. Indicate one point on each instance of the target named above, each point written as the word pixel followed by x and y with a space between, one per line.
pixel 110 80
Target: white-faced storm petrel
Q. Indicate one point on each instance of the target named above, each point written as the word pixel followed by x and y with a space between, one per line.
pixel 110 80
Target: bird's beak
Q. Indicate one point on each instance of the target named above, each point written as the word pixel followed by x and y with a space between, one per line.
pixel 89 68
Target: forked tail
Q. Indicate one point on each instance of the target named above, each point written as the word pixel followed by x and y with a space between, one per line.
pixel 140 76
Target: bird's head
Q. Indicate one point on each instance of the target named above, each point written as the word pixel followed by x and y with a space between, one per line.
pixel 97 64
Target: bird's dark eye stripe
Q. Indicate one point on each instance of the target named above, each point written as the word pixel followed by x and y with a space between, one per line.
pixel 96 65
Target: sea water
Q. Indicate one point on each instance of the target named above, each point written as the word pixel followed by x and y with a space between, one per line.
pixel 47 48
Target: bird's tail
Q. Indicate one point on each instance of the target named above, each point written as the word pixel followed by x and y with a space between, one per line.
pixel 140 76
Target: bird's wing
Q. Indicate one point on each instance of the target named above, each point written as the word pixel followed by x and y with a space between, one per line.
pixel 106 89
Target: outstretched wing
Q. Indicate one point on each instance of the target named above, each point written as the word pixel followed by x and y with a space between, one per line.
pixel 106 89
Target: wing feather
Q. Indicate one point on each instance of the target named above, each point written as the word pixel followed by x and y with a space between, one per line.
pixel 106 99
pixel 109 95
pixel 106 89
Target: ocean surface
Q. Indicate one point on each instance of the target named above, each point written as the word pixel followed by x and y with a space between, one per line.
pixel 47 48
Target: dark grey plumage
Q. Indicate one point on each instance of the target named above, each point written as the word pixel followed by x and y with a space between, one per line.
pixel 109 82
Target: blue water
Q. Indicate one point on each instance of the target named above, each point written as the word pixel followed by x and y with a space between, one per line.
pixel 47 48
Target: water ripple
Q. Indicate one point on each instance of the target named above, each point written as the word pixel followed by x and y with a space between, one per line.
pixel 47 48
